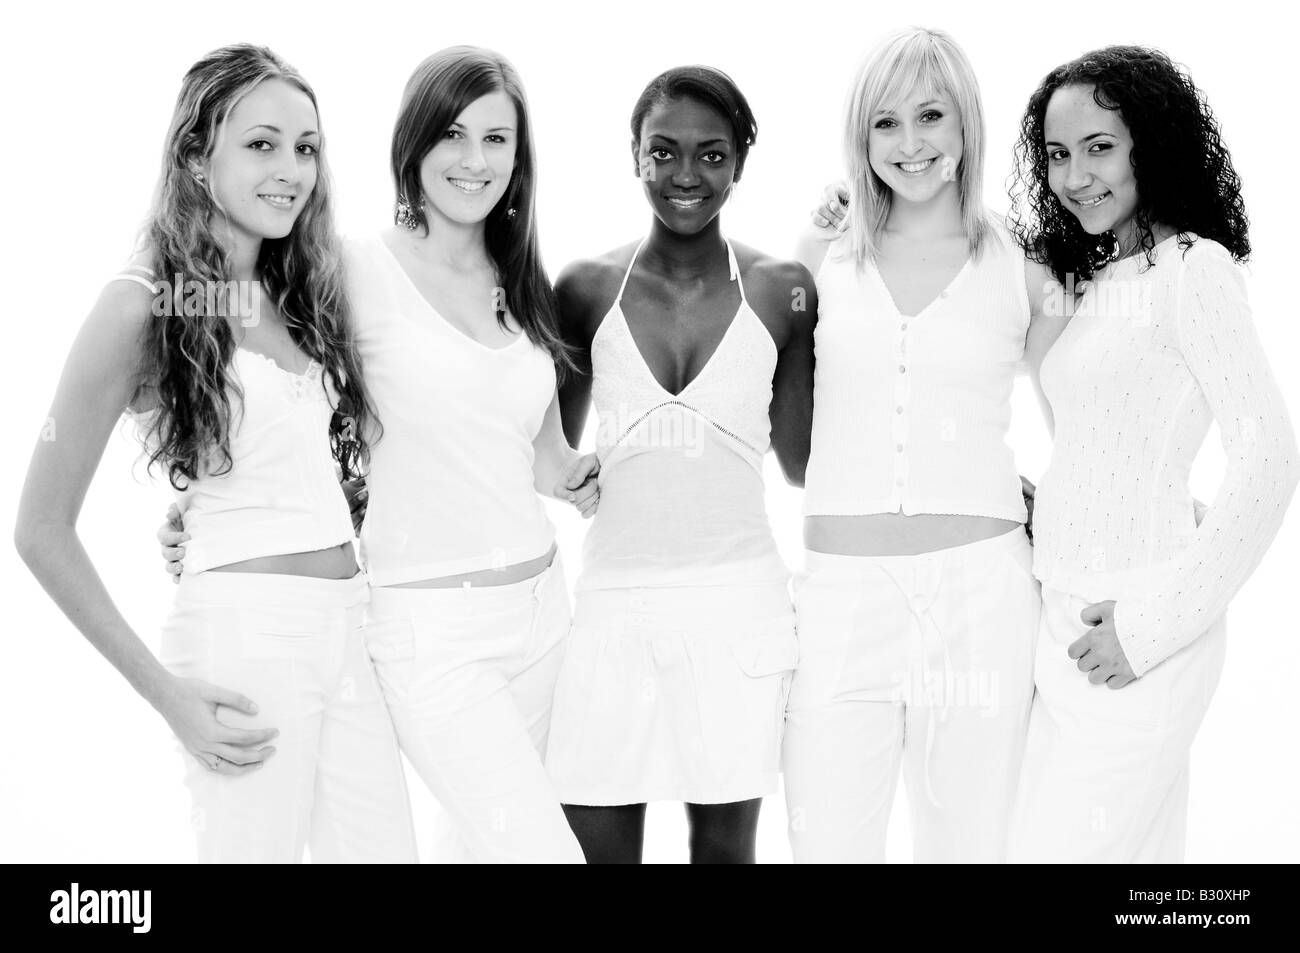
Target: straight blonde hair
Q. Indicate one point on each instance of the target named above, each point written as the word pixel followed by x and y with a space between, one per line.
pixel 912 59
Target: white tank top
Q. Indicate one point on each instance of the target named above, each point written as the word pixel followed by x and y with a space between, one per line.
pixel 451 479
pixel 281 493
pixel 910 413
pixel 681 481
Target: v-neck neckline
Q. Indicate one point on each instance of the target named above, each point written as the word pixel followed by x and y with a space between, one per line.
pixel 415 290
pixel 734 267
pixel 933 302
pixel 735 319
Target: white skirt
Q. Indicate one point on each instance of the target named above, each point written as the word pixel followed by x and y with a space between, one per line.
pixel 673 694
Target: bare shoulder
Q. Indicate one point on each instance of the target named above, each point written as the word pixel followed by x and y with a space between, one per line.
pixel 586 288
pixel 778 288
pixel 589 279
pixel 764 267
pixel 124 307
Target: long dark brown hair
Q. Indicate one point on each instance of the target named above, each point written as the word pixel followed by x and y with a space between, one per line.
pixel 437 92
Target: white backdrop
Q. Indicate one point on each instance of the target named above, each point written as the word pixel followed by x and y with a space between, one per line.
pixel 90 774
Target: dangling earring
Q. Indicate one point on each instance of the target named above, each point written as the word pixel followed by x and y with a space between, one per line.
pixel 406 216
pixel 198 177
pixel 510 214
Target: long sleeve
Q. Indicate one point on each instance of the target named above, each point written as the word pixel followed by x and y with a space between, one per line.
pixel 1217 340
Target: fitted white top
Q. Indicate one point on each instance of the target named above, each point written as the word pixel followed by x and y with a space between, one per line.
pixel 681 481
pixel 451 479
pixel 281 492
pixel 910 413
pixel 1150 358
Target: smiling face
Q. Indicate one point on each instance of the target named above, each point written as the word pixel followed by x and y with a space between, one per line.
pixel 915 146
pixel 262 169
pixel 1088 164
pixel 686 158
pixel 465 174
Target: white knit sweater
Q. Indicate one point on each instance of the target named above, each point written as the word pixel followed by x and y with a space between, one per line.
pixel 1153 354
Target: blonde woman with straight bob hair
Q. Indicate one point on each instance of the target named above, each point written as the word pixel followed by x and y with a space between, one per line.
pixel 913 59
pixel 916 607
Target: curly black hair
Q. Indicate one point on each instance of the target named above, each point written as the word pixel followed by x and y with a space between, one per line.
pixel 1185 178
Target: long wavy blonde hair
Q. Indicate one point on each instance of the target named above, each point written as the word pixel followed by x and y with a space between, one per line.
pixel 912 59
pixel 186 361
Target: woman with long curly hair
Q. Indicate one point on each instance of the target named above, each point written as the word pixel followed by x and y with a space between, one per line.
pixel 228 341
pixel 1126 192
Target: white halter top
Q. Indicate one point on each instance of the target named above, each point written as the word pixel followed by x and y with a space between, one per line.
pixel 681 483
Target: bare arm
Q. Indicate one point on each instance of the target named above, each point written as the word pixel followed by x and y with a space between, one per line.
pixel 98 381
pixel 551 455
pixel 562 471
pixel 577 326
pixel 788 297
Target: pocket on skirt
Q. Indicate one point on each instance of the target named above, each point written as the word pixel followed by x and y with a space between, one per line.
pixel 773 649
pixel 770 654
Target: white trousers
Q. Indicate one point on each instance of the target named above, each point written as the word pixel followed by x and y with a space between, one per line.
pixel 1106 770
pixel 469 675
pixel 922 663
pixel 295 646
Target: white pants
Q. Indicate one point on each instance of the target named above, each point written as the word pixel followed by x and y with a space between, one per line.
pixel 920 662
pixel 1106 770
pixel 295 646
pixel 469 675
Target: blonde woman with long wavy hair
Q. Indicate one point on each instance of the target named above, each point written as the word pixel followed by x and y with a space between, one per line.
pixel 248 395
